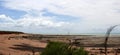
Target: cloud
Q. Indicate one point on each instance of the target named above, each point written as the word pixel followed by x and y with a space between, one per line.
pixel 29 22
pixel 5 18
pixel 94 15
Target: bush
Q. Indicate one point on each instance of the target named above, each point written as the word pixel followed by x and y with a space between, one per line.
pixel 59 48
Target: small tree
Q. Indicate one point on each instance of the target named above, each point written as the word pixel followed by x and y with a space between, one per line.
pixel 59 48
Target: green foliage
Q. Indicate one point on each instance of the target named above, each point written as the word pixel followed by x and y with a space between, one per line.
pixel 59 48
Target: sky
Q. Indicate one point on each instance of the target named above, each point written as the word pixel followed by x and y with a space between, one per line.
pixel 59 16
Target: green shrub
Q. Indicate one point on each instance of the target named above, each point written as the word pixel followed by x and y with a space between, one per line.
pixel 59 48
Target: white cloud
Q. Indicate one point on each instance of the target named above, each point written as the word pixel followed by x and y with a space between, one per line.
pixel 5 18
pixel 96 14
pixel 30 22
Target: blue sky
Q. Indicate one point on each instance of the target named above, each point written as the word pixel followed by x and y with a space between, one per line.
pixel 12 13
pixel 59 16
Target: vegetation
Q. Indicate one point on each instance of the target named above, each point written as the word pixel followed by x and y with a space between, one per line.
pixel 107 36
pixel 10 32
pixel 59 48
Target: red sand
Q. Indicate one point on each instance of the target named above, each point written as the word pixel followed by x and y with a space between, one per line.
pixel 7 45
